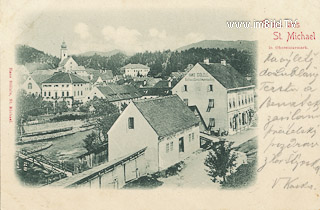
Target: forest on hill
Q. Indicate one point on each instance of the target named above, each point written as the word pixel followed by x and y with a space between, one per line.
pixel 161 63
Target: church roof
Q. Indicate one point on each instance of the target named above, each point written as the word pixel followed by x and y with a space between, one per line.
pixel 64 61
pixel 167 115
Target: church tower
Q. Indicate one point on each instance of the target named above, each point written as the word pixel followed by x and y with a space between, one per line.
pixel 63 51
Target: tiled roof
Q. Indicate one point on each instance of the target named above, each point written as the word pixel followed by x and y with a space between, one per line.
pixel 135 66
pixel 62 77
pixel 150 81
pixel 167 115
pixel 162 84
pixel 226 75
pixel 105 75
pixel 114 92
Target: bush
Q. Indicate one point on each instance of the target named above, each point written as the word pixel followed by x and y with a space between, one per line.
pixel 68 117
pixel 243 177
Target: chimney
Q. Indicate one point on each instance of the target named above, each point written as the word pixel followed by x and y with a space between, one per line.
pixel 223 62
pixel 206 61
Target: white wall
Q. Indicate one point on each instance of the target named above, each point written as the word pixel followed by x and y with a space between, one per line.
pixel 36 90
pixel 123 141
pixel 197 81
pixel 172 157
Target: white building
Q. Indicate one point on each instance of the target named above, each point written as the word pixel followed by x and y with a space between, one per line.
pixel 223 96
pixel 135 70
pixel 65 86
pixel 33 82
pixel 165 125
pixel 116 94
pixel 67 63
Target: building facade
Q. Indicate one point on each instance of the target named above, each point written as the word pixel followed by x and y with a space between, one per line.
pixel 65 87
pixel 136 70
pixel 165 126
pixel 212 87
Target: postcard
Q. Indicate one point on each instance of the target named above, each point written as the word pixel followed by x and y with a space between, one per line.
pixel 160 105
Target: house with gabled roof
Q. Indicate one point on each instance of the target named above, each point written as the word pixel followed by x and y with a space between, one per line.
pixel 135 70
pixel 165 126
pixel 33 82
pixel 63 86
pixel 223 96
pixel 116 94
pixel 99 77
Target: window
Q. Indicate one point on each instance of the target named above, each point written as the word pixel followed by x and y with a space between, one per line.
pixel 185 101
pixel 210 88
pixel 67 93
pixel 246 100
pixel 234 102
pixel 190 137
pixel 49 93
pixel 131 123
pixel 171 146
pixel 56 85
pixel 167 147
pixel 56 95
pixel 74 93
pixel 29 85
pixel 78 93
pixel 44 93
pixel 230 103
pixel 62 85
pixel 81 92
pixel 185 88
pixel 210 105
pixel 239 100
pixel 212 123
pixel 67 85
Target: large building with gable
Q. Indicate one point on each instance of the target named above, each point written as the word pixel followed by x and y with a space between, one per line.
pixel 223 96
pixel 64 86
pixel 165 126
pixel 135 70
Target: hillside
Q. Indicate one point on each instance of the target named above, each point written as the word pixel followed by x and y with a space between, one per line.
pixel 103 54
pixel 161 63
pixel 239 45
pixel 26 54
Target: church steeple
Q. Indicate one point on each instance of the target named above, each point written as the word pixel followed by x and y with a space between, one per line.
pixel 63 51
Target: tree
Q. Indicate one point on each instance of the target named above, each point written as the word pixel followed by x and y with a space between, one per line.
pixel 91 142
pixel 106 113
pixel 123 106
pixel 220 160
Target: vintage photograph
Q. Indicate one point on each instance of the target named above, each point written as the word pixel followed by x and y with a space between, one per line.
pixel 136 99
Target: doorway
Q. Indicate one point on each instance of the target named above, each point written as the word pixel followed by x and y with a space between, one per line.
pixel 181 144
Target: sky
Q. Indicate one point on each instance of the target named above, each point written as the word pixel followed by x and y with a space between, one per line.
pixel 131 30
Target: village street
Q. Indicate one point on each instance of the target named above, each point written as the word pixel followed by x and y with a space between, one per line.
pixel 193 175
